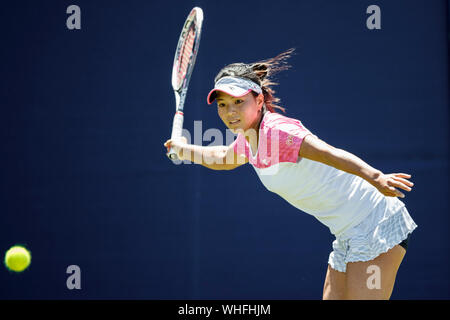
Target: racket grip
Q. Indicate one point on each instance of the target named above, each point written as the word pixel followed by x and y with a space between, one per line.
pixel 177 128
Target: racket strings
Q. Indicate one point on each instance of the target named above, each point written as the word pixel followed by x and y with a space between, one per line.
pixel 185 55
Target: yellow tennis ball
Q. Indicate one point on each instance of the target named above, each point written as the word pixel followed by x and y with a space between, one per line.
pixel 17 258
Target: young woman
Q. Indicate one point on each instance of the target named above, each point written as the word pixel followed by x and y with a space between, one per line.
pixel 357 202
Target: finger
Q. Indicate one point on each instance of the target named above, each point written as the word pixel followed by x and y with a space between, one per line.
pixel 404 175
pixel 398 184
pixel 407 182
pixel 396 193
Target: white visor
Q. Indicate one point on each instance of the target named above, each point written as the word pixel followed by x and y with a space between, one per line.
pixel 234 86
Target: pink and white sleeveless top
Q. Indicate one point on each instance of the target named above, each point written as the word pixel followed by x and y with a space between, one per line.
pixel 338 199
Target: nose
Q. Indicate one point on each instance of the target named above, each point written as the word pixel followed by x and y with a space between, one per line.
pixel 231 109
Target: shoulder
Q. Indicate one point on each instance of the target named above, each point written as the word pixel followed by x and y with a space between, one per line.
pixel 283 123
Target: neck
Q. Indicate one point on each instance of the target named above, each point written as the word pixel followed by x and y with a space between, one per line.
pixel 256 127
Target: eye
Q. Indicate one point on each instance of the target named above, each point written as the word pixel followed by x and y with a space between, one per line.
pixel 238 101
pixel 221 105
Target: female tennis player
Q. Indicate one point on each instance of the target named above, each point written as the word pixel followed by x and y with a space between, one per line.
pixel 357 202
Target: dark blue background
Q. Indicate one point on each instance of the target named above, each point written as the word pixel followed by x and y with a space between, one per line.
pixel 84 115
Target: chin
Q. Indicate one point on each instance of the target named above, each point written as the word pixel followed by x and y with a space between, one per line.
pixel 236 130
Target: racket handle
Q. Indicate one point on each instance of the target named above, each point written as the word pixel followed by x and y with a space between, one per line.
pixel 177 128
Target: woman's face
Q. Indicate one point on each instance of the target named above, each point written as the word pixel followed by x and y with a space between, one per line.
pixel 239 113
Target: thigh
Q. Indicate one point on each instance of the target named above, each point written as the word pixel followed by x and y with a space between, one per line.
pixel 334 286
pixel 374 279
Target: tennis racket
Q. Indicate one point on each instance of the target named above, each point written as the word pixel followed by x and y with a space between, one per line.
pixel 183 65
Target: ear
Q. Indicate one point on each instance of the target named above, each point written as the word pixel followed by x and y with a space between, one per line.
pixel 260 100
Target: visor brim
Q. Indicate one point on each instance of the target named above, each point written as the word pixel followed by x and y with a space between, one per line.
pixel 237 93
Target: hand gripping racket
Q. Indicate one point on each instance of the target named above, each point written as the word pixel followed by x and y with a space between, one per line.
pixel 183 65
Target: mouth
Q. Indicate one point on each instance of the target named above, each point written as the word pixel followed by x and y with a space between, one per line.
pixel 234 122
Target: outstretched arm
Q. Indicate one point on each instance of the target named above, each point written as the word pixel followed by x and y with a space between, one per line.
pixel 315 149
pixel 212 157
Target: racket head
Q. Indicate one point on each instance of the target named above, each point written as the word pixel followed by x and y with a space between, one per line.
pixel 187 48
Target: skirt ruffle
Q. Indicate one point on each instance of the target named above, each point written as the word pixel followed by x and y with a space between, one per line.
pixel 376 234
pixel 386 235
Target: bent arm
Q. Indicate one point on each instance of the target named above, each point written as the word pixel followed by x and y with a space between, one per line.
pixel 315 149
pixel 212 157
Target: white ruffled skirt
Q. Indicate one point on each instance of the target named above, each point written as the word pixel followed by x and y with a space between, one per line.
pixel 384 228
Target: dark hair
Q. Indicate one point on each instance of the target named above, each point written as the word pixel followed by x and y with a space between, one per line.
pixel 261 73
